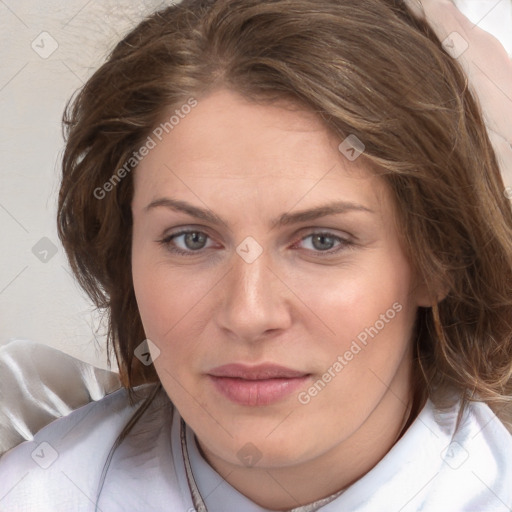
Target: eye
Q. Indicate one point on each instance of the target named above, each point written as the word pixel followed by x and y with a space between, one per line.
pixel 193 240
pixel 323 243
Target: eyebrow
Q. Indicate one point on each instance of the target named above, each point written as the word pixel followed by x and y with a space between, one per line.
pixel 285 219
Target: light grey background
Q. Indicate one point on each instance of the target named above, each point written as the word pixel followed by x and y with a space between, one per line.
pixel 47 50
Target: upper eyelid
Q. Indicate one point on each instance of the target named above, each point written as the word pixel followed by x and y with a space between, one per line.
pixel 204 230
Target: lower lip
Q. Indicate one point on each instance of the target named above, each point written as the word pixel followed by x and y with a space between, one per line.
pixel 257 392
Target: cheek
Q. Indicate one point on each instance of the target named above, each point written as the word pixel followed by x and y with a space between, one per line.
pixel 155 294
pixel 355 300
pixel 172 303
pixel 371 318
pixel 161 301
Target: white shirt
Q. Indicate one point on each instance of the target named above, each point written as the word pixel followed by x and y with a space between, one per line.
pixel 429 469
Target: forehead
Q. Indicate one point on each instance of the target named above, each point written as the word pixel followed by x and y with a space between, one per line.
pixel 227 146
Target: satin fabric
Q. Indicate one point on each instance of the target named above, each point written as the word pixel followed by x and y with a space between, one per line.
pixel 430 469
pixel 39 384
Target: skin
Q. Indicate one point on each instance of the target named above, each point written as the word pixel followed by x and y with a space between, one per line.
pixel 250 163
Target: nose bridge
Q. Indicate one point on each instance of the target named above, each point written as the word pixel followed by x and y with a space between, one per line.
pixel 251 280
pixel 253 299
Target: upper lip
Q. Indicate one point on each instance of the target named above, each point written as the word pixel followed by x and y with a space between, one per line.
pixel 259 372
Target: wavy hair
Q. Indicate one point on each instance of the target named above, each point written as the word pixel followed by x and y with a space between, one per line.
pixel 370 69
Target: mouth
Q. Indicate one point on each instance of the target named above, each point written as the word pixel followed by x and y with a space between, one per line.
pixel 256 385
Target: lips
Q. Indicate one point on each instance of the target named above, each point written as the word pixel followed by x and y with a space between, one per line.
pixel 256 385
pixel 260 372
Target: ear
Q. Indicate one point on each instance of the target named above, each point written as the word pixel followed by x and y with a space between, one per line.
pixel 426 293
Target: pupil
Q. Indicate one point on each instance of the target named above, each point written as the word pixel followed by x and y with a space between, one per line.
pixel 195 238
pixel 322 239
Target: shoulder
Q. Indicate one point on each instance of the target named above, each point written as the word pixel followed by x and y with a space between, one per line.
pixel 490 443
pixel 147 470
pixel 486 440
pixel 476 461
pixel 62 465
pixel 438 466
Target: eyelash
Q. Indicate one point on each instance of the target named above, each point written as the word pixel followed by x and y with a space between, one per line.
pixel 166 242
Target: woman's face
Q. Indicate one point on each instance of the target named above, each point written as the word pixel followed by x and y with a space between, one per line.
pixel 282 328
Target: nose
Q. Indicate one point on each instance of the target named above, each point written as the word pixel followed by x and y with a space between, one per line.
pixel 255 301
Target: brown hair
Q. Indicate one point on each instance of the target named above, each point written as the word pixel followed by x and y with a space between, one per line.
pixel 368 68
